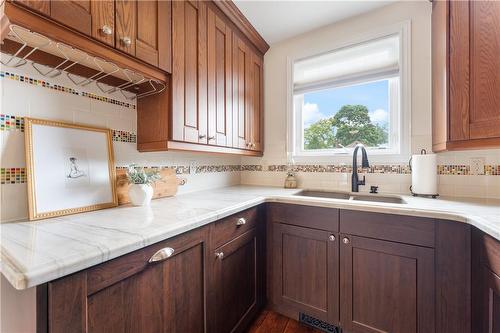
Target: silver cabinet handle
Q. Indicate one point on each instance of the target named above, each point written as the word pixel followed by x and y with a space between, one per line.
pixel 106 30
pixel 161 255
pixel 126 41
pixel 346 240
pixel 241 221
pixel 202 136
pixel 248 144
pixel 252 145
pixel 219 255
pixel 210 138
pixel 331 238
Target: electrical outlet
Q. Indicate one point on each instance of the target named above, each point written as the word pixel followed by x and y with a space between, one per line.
pixel 476 166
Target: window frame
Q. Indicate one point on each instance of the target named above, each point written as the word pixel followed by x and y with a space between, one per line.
pixel 399 99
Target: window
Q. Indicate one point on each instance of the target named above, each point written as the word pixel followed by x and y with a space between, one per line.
pixel 351 95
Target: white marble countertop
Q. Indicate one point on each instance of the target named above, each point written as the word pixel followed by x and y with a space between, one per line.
pixel 36 252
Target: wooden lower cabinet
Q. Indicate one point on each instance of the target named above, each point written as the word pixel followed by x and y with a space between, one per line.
pixel 305 272
pixel 386 286
pixel 486 283
pixel 237 286
pixel 132 294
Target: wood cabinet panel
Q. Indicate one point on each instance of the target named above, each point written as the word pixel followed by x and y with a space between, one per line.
pixel 146 43
pixel 440 72
pixel 219 80
pixel 466 75
pixel 304 216
pixel 125 17
pixel 255 101
pixel 485 69
pixel 231 227
pixel 305 276
pixel 164 296
pixel 490 301
pixel 241 63
pixel 103 21
pixel 238 289
pixel 74 14
pixel 189 68
pixel 386 286
pixel 41 6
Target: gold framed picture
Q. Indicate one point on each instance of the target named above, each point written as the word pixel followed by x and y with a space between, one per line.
pixel 70 168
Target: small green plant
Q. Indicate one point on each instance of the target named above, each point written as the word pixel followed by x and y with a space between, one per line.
pixel 137 175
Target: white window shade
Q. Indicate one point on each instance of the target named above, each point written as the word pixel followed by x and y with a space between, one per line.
pixel 375 59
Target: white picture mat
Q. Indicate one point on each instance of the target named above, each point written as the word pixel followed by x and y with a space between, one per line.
pixel 54 190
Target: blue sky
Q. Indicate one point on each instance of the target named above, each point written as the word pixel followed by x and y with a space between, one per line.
pixel 325 103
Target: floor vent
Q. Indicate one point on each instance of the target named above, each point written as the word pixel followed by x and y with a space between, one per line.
pixel 318 324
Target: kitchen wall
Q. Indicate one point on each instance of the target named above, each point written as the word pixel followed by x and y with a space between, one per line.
pixel 24 92
pixel 454 170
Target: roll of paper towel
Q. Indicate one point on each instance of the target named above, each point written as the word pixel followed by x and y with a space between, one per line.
pixel 424 174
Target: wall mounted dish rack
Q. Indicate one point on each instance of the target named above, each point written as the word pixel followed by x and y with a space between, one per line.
pixel 51 59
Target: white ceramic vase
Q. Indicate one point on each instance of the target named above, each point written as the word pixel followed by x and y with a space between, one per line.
pixel 140 194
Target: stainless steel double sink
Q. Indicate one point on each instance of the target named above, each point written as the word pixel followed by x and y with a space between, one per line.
pixel 351 196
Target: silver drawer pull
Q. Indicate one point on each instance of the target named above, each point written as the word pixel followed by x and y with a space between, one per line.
pixel 126 41
pixel 241 221
pixel 219 255
pixel 106 30
pixel 161 255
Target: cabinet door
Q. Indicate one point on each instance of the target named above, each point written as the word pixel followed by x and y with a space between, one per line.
pixel 103 21
pixel 241 63
pixel 189 79
pixel 220 120
pixel 238 288
pixel 41 6
pixel 125 18
pixel 490 301
pixel 130 294
pixel 255 101
pixel 485 69
pixel 74 14
pixel 386 286
pixel 305 276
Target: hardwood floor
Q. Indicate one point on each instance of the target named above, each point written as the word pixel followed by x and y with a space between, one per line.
pixel 272 322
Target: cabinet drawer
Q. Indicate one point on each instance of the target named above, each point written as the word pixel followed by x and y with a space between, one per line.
pixel 398 228
pixel 305 216
pixel 234 225
pixel 106 274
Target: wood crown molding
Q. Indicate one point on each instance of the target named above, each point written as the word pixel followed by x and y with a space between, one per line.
pixel 242 23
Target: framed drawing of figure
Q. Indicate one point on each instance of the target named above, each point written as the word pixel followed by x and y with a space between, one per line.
pixel 70 168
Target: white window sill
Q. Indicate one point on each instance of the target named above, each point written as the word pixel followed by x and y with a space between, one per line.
pixel 347 159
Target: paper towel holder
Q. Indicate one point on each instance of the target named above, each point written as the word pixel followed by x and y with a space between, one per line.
pixel 433 196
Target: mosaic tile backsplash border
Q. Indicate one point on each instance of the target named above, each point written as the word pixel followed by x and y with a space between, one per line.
pixel 15 123
pixel 68 90
pixel 18 175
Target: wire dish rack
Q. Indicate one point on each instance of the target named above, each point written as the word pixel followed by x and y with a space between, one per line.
pixel 22 46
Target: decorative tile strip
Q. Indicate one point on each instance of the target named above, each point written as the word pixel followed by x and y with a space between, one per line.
pixel 10 123
pixel 48 85
pixel 217 168
pixel 453 170
pixel 251 168
pixel 179 169
pixel 12 175
pixel 124 136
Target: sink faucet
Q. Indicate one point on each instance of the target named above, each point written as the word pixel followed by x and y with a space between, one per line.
pixel 364 163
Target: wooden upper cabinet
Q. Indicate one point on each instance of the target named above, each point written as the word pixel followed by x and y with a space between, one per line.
pixel 255 102
pixel 189 79
pixel 220 83
pixel 40 6
pixel 74 14
pixel 125 18
pixel 466 74
pixel 484 116
pixel 241 64
pixel 103 21
pixel 152 44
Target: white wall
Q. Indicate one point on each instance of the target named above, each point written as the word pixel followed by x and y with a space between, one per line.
pixel 326 38
pixel 24 99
